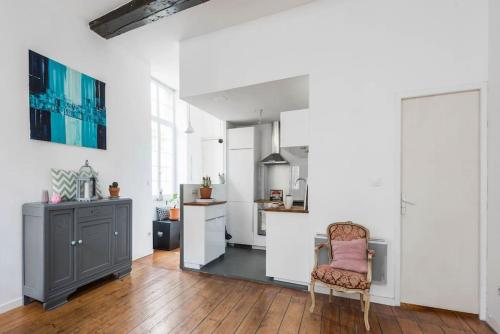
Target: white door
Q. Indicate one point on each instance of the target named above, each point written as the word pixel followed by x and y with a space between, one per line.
pixel 440 211
pixel 240 222
pixel 240 175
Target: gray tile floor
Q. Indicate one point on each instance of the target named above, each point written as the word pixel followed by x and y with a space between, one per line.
pixel 244 263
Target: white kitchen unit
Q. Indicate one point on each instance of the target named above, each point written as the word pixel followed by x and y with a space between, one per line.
pixel 240 218
pixel 204 234
pixel 294 128
pixel 242 157
pixel 287 247
pixel 241 138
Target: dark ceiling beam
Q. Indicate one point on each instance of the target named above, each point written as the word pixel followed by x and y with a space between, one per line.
pixel 138 13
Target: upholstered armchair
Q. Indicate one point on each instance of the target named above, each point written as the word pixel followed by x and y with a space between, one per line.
pixel 342 280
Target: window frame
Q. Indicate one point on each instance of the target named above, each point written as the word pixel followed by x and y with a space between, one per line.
pixel 155 118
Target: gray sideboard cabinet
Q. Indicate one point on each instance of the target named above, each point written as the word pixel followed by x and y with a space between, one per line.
pixel 70 244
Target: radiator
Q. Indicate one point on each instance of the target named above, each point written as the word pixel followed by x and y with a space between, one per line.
pixel 379 262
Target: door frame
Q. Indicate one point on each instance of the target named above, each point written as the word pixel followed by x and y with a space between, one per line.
pixel 483 178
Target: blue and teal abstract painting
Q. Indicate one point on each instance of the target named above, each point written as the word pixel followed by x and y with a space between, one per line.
pixel 66 106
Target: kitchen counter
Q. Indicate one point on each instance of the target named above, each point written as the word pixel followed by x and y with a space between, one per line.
pixel 288 239
pixel 204 203
pixel 293 209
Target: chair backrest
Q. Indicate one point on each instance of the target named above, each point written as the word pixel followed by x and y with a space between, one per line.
pixel 345 231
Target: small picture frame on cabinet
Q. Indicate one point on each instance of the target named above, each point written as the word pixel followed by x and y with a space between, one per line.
pixel 276 195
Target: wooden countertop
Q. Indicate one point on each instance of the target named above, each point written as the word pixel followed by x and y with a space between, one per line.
pixel 293 209
pixel 204 203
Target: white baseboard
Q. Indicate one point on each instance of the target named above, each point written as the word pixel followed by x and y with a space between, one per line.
pixel 10 305
pixel 373 298
pixel 493 323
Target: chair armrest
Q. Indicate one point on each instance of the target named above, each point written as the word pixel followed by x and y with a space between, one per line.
pixel 317 248
pixel 371 254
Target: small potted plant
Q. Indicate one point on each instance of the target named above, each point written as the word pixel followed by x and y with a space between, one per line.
pixel 114 190
pixel 174 211
pixel 206 188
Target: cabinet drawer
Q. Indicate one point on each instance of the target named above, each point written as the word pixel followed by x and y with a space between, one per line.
pixel 95 212
pixel 215 211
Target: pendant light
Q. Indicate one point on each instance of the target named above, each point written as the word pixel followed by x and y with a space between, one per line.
pixel 189 128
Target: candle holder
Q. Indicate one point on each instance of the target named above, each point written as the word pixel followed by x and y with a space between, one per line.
pixel 86 184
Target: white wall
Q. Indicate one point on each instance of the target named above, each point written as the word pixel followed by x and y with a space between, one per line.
pixel 25 164
pixel 360 55
pixel 198 153
pixel 493 299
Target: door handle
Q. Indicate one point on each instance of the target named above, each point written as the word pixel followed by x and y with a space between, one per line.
pixel 80 242
pixel 73 242
pixel 404 204
pixel 116 233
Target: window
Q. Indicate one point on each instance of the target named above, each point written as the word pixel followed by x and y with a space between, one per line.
pixel 163 135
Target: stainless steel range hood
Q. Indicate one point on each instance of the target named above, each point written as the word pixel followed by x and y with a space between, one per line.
pixel 275 157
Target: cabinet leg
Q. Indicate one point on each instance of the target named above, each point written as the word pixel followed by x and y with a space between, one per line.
pixel 27 300
pixel 122 273
pixel 57 301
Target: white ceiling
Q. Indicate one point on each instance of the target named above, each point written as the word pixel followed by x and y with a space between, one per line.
pixel 241 105
pixel 157 43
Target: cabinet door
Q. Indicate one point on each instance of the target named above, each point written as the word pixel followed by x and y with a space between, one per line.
pixel 215 243
pixel 240 222
pixel 94 246
pixel 239 138
pixel 61 252
pixel 240 175
pixel 121 235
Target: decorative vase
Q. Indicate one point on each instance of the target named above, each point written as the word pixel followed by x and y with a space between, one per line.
pixel 114 192
pixel 288 202
pixel 205 193
pixel 174 214
pixel 55 199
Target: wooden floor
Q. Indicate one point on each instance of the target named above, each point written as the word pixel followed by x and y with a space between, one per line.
pixel 159 298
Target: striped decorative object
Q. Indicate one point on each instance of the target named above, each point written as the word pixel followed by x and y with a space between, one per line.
pixel 64 183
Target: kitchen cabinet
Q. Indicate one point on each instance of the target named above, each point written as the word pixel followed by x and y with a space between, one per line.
pixel 288 247
pixel 241 138
pixel 241 175
pixel 204 233
pixel 294 126
pixel 70 244
pixel 240 222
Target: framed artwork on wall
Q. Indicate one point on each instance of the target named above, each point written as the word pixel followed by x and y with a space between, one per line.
pixel 66 106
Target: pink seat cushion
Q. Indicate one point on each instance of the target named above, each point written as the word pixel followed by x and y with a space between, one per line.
pixel 350 255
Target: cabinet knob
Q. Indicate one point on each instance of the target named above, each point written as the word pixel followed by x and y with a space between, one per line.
pixel 116 233
pixel 73 242
pixel 80 242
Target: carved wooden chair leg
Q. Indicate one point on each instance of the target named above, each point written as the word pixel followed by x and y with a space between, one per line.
pixel 361 297
pixel 367 310
pixel 330 297
pixel 313 298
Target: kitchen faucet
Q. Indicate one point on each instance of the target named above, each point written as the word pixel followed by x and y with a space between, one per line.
pixel 300 179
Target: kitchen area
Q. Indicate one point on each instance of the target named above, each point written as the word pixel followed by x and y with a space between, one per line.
pixel 256 225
